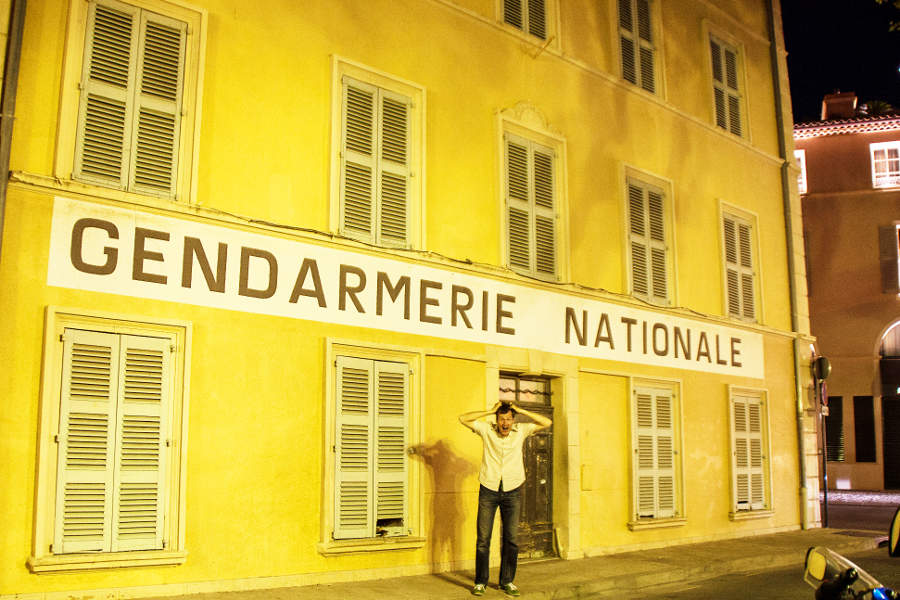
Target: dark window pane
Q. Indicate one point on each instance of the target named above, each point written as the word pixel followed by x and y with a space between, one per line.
pixel 864 428
pixel 834 429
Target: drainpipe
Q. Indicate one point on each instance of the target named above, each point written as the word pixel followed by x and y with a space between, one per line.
pixel 786 184
pixel 8 101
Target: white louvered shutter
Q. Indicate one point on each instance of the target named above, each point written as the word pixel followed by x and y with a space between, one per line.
pixel 531 207
pixel 130 108
pixel 354 439
pixel 394 171
pixel 636 43
pixel 654 454
pixel 528 15
pixel 391 503
pixel 740 277
pixel 358 164
pixel 105 113
pixel 141 442
pixel 725 87
pixel 889 256
pixel 749 479
pixel 157 115
pixel 647 236
pixel 84 490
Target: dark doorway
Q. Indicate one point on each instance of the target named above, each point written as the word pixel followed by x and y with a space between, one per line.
pixel 536 521
pixel 890 420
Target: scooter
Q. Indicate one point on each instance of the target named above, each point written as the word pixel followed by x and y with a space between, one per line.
pixel 836 578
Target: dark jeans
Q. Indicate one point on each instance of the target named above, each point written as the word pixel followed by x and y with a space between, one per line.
pixel 510 504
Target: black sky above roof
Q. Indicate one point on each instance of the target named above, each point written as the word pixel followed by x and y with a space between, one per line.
pixel 840 45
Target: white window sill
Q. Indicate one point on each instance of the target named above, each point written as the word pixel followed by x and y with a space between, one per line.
pixel 370 545
pixel 104 560
pixel 747 515
pixel 656 523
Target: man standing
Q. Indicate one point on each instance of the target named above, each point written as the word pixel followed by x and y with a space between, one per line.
pixel 501 477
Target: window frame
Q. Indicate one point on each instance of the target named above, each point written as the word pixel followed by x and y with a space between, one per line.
pixel 188 135
pixel 677 516
pixel 764 507
pixel 648 182
pixel 725 42
pixel 343 69
pixel 802 182
pixel 57 320
pixel 654 44
pixel 892 179
pixel 414 359
pixel 527 123
pixel 745 218
pixel 551 23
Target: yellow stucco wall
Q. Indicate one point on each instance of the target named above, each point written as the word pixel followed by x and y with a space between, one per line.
pixel 256 460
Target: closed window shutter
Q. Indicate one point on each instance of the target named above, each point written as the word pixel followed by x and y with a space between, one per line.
pixel 636 43
pixel 375 164
pixel 654 454
pixel 749 480
pixel 84 490
pixel 888 244
pixel 531 207
pixel 358 164
pixel 130 109
pixel 353 449
pixel 647 237
pixel 529 15
pixel 725 87
pixel 391 393
pixel 158 107
pixel 141 429
pixel 394 168
pixel 740 277
pixel 512 13
pixel 103 141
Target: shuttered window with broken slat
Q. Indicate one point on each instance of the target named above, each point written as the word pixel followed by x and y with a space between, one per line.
pixel 726 87
pixel 636 43
pixel 740 276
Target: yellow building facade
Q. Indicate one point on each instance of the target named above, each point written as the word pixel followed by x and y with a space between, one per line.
pixel 257 258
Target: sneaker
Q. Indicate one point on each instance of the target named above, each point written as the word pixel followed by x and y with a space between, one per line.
pixel 478 590
pixel 510 589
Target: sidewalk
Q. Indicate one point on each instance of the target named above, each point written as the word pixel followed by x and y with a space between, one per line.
pixel 597 577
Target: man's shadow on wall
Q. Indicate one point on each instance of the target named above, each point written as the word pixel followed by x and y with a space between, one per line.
pixel 448 470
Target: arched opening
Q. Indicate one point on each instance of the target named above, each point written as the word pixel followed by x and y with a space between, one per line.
pixel 889 368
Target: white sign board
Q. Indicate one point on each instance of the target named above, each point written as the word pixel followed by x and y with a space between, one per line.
pixel 107 249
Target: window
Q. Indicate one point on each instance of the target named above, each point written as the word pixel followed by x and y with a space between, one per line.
pixel 885 164
pixel 647 237
pixel 726 90
pixel 739 274
pixel 864 428
pixel 636 43
pixel 531 207
pixel 378 141
pixel 889 256
pixel 834 429
pixel 371 481
pixel 110 472
pixel 749 440
pixel 137 87
pixel 800 157
pixel 656 473
pixel 528 15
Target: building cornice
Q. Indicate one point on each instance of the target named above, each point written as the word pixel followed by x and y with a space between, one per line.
pixel 806 131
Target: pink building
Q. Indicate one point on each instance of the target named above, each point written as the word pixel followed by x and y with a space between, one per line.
pixel 850 186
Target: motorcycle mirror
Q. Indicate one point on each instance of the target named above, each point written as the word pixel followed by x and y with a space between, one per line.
pixel 894 535
pixel 816 566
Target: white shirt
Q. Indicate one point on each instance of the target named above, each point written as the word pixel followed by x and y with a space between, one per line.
pixel 502 459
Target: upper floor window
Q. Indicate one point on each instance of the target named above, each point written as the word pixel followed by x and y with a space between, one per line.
pixel 800 157
pixel 726 87
pixel 531 206
pixel 740 277
pixel 131 88
pixel 885 164
pixel 648 241
pixel 636 43
pixel 528 15
pixel 378 142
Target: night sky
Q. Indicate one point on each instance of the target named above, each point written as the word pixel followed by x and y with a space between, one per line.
pixel 840 45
